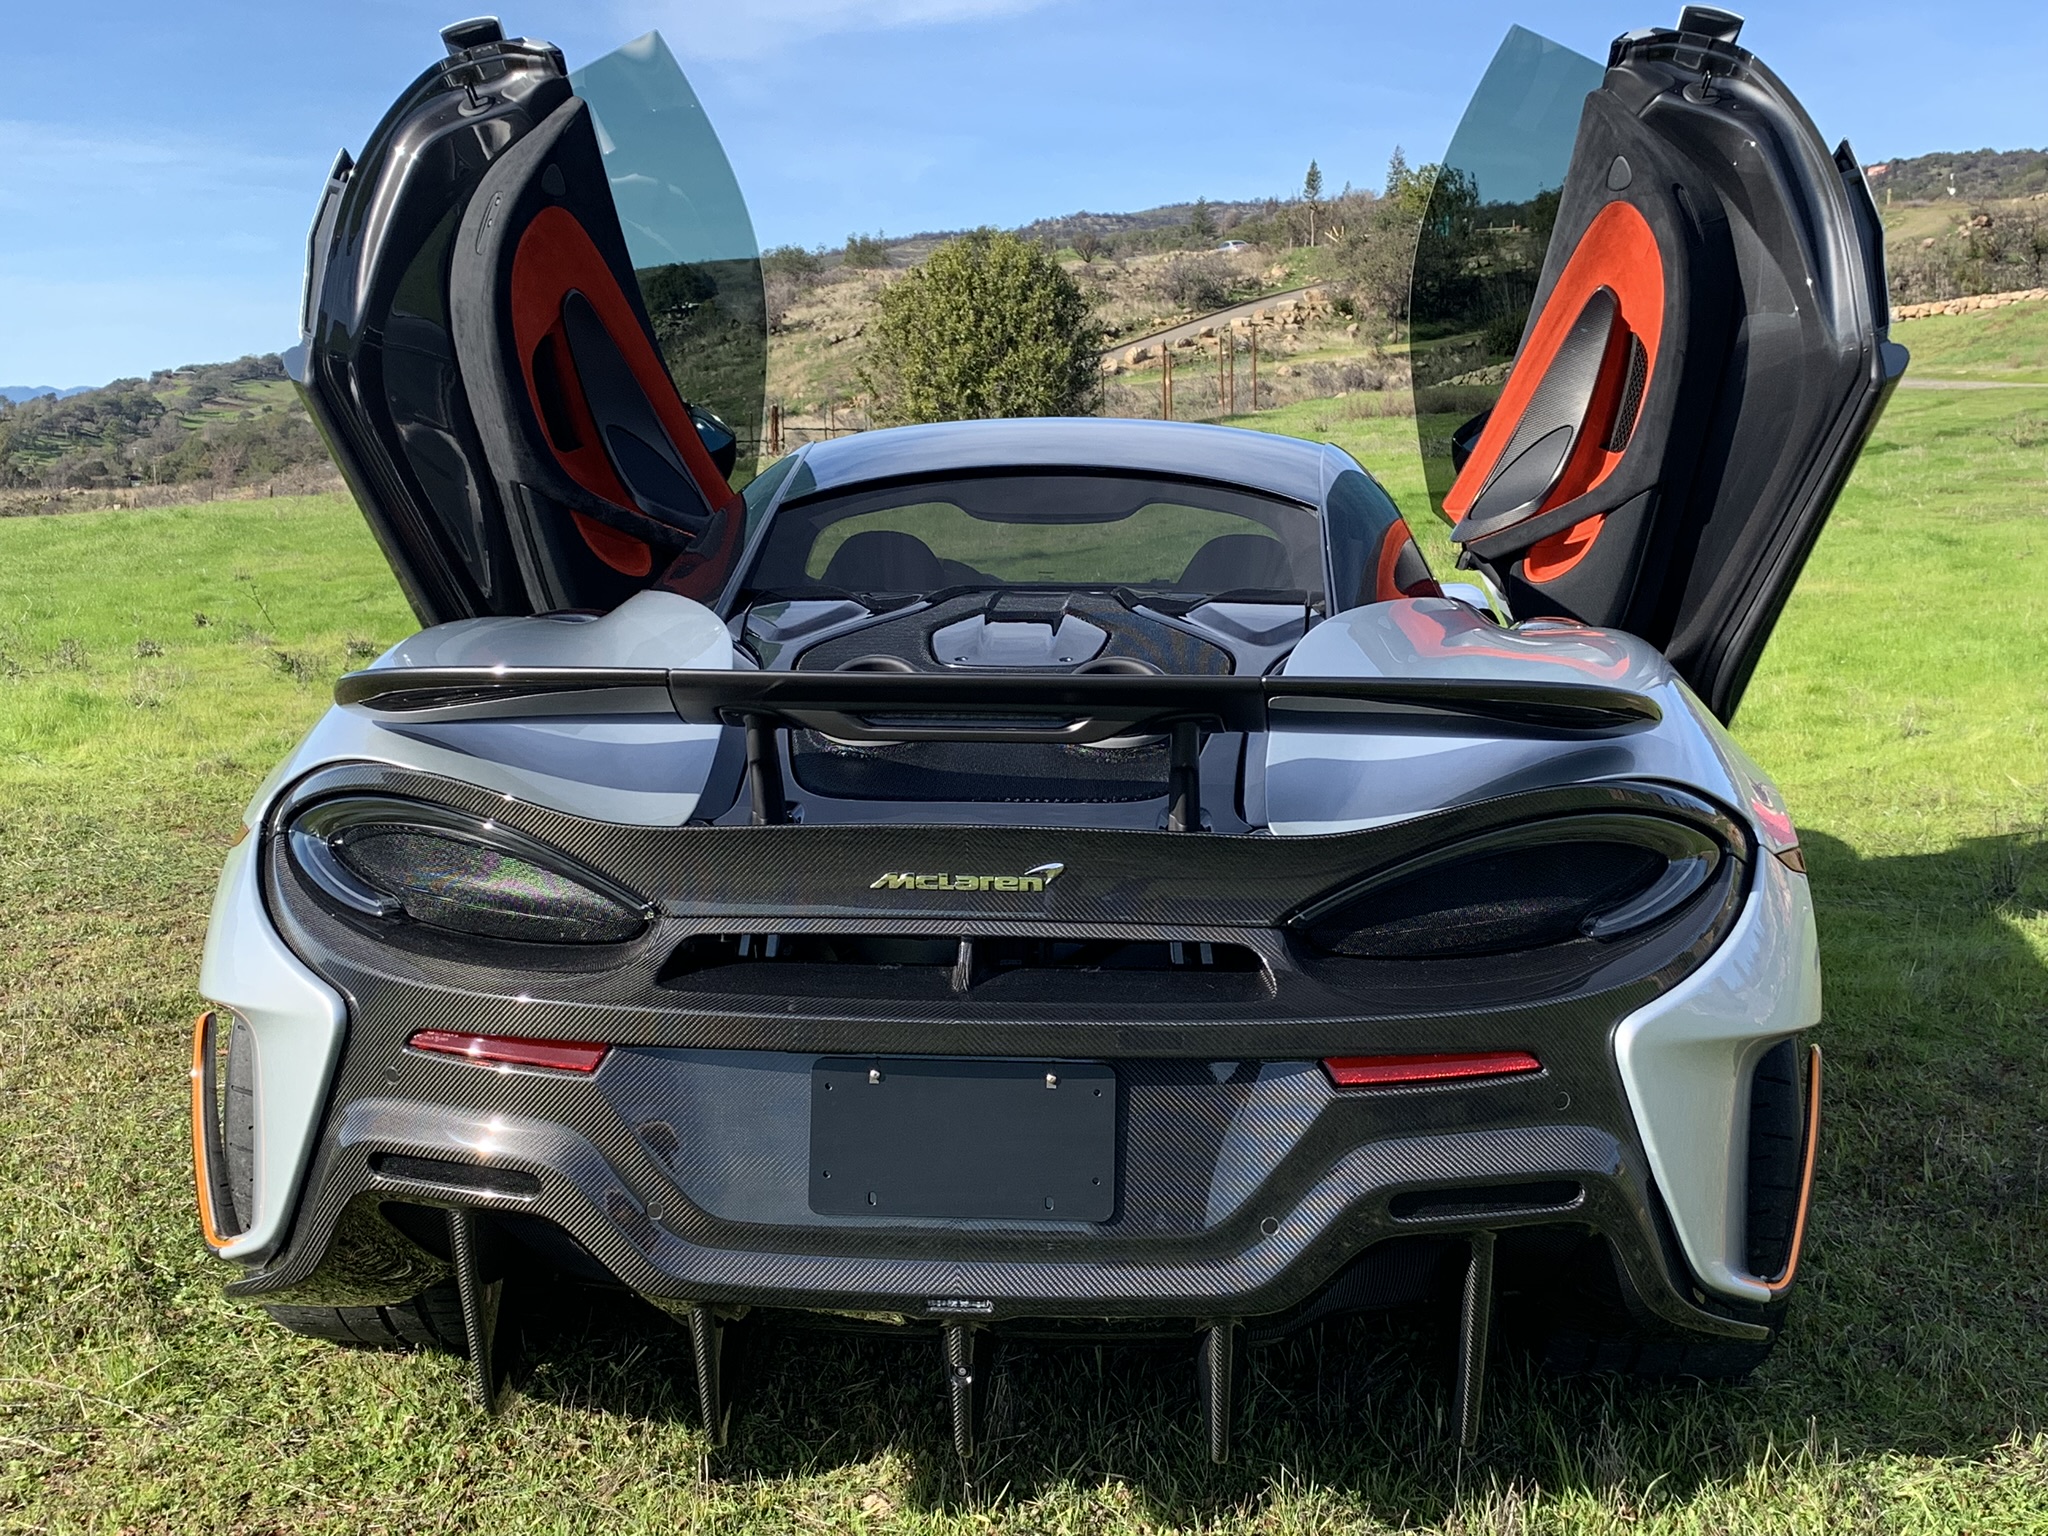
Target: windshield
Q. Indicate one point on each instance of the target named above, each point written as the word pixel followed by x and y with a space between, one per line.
pixel 1062 530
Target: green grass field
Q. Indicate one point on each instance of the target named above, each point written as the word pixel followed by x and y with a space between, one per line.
pixel 153 665
pixel 2009 345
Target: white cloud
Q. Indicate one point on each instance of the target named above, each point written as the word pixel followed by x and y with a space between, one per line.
pixel 710 30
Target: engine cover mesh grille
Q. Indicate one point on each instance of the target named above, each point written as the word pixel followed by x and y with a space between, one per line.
pixel 993 771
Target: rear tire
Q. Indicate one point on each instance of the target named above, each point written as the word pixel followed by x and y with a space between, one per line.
pixel 431 1320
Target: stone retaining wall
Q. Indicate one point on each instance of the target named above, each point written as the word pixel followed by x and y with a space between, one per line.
pixel 1973 302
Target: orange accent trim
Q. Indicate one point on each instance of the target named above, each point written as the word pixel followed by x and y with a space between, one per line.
pixel 1618 251
pixel 1783 1282
pixel 619 550
pixel 1385 587
pixel 556 255
pixel 202 1171
pixel 1550 558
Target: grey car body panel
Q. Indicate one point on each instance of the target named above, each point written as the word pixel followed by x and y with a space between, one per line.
pixel 296 1021
pixel 1686 1062
pixel 1325 781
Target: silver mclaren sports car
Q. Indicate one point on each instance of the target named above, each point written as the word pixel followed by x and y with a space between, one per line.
pixel 1059 878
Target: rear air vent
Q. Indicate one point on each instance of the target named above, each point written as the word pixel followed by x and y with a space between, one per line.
pixel 473 1178
pixel 1497 1200
pixel 997 969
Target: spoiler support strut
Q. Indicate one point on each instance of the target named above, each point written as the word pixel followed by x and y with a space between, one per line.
pixel 764 771
pixel 1184 779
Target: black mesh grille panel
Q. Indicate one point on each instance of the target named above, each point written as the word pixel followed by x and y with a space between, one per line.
pixel 993 771
pixel 1173 651
pixel 978 770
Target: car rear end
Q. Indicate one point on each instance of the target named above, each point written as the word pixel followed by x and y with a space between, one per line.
pixel 982 1079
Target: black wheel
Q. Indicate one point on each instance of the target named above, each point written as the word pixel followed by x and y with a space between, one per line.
pixel 431 1320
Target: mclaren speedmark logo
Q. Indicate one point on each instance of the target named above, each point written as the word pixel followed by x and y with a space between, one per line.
pixel 1036 878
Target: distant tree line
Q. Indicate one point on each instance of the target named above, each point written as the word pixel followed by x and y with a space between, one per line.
pixel 176 426
pixel 1978 175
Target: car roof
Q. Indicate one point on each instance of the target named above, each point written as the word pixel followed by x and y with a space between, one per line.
pixel 1261 461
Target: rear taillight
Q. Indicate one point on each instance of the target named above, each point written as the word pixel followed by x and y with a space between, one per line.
pixel 1774 826
pixel 1549 882
pixel 1389 1071
pixel 396 860
pixel 511 1051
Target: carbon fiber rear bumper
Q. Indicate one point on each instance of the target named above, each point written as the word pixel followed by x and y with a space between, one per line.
pixel 1247 1190
pixel 1247 1183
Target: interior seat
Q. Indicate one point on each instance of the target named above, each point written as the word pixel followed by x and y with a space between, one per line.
pixel 1233 560
pixel 885 560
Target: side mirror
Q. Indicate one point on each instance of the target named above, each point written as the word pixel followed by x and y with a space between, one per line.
pixel 720 441
pixel 1466 438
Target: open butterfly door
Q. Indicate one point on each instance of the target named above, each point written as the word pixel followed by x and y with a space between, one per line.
pixel 1704 353
pixel 535 335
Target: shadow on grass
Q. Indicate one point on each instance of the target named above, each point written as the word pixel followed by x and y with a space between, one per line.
pixel 1921 1324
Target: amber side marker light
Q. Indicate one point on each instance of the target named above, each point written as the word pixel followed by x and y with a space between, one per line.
pixel 1391 1071
pixel 511 1051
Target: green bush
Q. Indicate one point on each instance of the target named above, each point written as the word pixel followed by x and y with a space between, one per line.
pixel 794 262
pixel 866 252
pixel 990 325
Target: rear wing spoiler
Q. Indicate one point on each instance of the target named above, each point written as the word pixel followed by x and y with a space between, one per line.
pixel 1075 709
pixel 941 706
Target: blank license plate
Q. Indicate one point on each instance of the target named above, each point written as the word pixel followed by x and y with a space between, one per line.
pixel 1016 1140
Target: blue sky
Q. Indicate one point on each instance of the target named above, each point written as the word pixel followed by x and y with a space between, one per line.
pixel 158 163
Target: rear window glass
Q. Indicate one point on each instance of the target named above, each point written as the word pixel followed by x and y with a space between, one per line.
pixel 1043 529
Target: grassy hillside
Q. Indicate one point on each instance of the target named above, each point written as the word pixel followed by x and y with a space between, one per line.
pixel 226 424
pixel 1974 173
pixel 1901 706
pixel 1999 345
pixel 1951 247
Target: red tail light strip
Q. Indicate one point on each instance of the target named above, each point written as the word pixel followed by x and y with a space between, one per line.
pixel 510 1051
pixel 1387 1071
